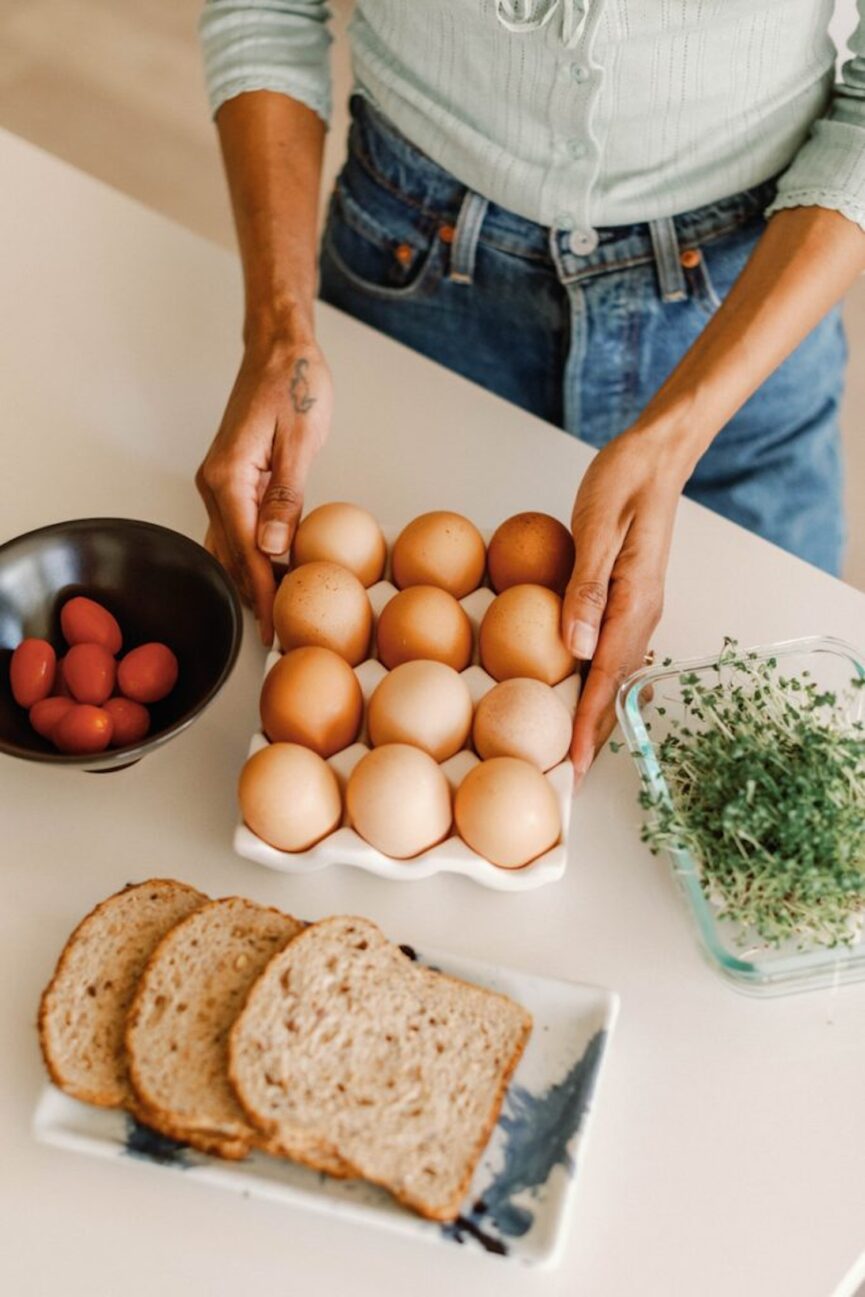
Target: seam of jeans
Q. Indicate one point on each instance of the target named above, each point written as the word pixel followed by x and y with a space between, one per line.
pixel 360 153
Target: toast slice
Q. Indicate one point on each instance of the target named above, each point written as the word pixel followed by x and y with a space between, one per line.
pixel 347 1048
pixel 192 989
pixel 82 1014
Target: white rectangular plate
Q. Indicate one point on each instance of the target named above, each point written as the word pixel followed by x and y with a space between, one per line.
pixel 519 1202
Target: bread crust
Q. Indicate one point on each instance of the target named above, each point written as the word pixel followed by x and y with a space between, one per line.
pixel 229 1145
pixel 322 1150
pixel 99 1098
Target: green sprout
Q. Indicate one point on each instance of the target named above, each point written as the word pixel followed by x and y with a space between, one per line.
pixel 766 780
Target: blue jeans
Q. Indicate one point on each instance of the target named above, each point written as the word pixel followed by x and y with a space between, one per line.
pixel 585 338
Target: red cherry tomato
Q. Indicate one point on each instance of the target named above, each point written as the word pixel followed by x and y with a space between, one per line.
pixel 83 621
pixel 31 671
pixel 131 721
pixel 45 714
pixel 147 673
pixel 89 671
pixel 83 729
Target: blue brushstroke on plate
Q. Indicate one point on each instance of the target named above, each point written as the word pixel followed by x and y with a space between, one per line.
pixel 144 1142
pixel 538 1129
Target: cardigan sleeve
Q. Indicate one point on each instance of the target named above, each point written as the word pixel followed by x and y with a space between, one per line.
pixel 279 45
pixel 829 169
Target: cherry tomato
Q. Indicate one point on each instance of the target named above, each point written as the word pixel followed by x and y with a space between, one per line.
pixel 84 621
pixel 89 671
pixel 31 671
pixel 83 729
pixel 131 721
pixel 45 714
pixel 147 673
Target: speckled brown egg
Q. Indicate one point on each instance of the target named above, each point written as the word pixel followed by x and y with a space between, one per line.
pixel 312 696
pixel 289 796
pixel 439 548
pixel 399 801
pixel 523 718
pixel 324 604
pixel 521 636
pixel 344 534
pixel 424 622
pixel 531 549
pixel 507 812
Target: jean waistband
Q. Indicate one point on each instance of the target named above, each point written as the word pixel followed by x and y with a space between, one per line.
pixel 414 177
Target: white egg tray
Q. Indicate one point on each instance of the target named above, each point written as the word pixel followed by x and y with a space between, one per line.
pixel 345 847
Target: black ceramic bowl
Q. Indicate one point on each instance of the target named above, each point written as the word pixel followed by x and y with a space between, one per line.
pixel 158 584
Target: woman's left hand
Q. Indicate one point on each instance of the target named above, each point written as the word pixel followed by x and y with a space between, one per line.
pixel 622 523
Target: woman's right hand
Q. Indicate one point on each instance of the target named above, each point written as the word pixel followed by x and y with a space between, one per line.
pixel 253 477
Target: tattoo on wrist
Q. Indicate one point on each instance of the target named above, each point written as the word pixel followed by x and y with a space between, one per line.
pixel 298 388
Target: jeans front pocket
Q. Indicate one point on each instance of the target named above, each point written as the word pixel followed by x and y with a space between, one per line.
pixel 382 248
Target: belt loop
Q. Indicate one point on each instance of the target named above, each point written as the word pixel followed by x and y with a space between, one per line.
pixel 671 278
pixel 466 235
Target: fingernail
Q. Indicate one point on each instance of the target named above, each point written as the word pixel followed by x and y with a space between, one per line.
pixel 582 639
pixel 580 772
pixel 274 538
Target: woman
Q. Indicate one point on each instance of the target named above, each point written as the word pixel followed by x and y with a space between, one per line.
pixel 635 219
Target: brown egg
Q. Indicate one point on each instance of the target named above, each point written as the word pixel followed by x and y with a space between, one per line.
pixel 325 604
pixel 520 636
pixel 523 718
pixel 426 704
pixel 344 534
pixel 289 796
pixel 312 696
pixel 424 622
pixel 531 549
pixel 507 812
pixel 442 549
pixel 399 801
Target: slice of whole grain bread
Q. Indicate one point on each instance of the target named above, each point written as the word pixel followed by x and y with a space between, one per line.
pixel 192 989
pixel 347 1048
pixel 82 1014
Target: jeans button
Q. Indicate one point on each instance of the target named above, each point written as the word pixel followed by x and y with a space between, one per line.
pixel 582 242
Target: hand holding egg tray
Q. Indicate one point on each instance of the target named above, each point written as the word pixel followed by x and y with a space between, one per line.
pixel 344 844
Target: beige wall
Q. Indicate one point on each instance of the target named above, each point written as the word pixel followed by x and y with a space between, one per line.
pixel 115 87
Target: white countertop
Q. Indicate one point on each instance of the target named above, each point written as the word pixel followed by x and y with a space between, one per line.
pixel 725 1154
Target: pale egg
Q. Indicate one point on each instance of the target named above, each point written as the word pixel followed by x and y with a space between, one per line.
pixel 344 534
pixel 424 622
pixel 399 801
pixel 507 812
pixel 289 796
pixel 520 635
pixel 439 548
pixel 312 696
pixel 324 604
pixel 531 549
pixel 426 704
pixel 523 718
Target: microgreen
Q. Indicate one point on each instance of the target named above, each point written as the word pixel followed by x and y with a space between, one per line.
pixel 766 780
